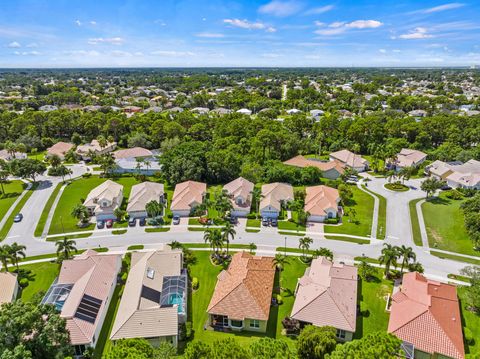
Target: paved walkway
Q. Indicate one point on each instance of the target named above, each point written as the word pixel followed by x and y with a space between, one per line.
pixel 421 222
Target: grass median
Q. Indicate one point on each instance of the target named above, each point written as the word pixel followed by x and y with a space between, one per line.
pixel 46 211
pixel 382 213
pixel 417 236
pixel 9 222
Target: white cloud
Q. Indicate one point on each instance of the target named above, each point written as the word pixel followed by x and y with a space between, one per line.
pixel 121 53
pixel 450 6
pixel 169 53
pixel 271 55
pixel 417 33
pixel 93 23
pixel 245 24
pixel 14 45
pixel 280 8
pixel 160 22
pixel 32 45
pixel 210 35
pixel 383 51
pixel 397 51
pixel 78 23
pixel 81 53
pixel 319 10
pixel 106 40
pixel 340 27
pixel 26 53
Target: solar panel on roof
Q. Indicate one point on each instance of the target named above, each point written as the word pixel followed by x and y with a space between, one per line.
pixel 88 308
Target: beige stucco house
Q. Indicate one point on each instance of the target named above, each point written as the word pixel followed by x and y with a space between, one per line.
pixel 102 201
pixel 350 159
pixel 321 202
pixel 273 195
pixel 186 197
pixel 140 195
pixel 240 192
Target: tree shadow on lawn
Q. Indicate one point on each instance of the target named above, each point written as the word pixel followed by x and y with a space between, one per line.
pixel 439 200
pixel 359 327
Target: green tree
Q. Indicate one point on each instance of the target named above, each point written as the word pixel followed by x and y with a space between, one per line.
pixel 119 213
pixel 55 161
pixel 304 244
pixel 131 349
pixel 213 236
pixel 256 198
pixel 4 173
pixel 17 251
pixel 5 256
pixel 228 231
pixel 27 168
pixel 252 247
pixel 407 254
pixel 80 212
pixel 268 348
pixel 388 257
pixel 36 330
pixel 66 247
pixel 374 345
pixel 280 261
pixel 154 208
pixel 323 252
pixel 229 349
pixel 345 193
pixel 316 342
pixel 472 292
pixel 198 350
pixel 431 185
pixel 365 270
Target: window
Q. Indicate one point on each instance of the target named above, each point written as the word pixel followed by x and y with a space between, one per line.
pixel 236 323
pixel 341 334
pixel 255 324
pixel 150 273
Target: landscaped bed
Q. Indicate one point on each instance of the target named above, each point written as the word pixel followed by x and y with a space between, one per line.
pixel 444 221
pixel 397 187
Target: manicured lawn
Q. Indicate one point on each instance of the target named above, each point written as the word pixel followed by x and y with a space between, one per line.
pixel 445 225
pixel 159 229
pixel 417 237
pixel 135 247
pixel 361 225
pixel 37 156
pixel 9 222
pixel 253 223
pixel 12 189
pixel 119 231
pixel 46 210
pixel 252 230
pixel 348 239
pixel 42 275
pixel 290 226
pixel 382 214
pixel 472 321
pixel 76 192
pixel 371 297
pixel 455 258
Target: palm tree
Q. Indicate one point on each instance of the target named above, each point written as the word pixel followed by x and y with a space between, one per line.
pixel 154 208
pixel 5 256
pixel 388 257
pixel 80 212
pixel 304 244
pixel 252 247
pixel 213 236
pixel 17 251
pixel 227 232
pixel 256 198
pixel 3 178
pixel 66 247
pixel 407 254
pixel 55 161
pixel 280 261
pixel 323 252
pixel 175 245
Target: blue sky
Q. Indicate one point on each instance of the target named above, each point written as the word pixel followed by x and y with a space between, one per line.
pixel 107 33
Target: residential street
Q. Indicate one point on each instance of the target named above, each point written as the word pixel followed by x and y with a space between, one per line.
pixel 398 232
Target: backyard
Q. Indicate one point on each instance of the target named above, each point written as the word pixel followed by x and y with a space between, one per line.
pixel 13 189
pixel 444 221
pixel 359 224
pixel 472 321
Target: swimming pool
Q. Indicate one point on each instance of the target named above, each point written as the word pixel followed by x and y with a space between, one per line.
pixel 176 299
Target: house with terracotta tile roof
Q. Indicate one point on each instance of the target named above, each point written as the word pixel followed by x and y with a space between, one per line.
pixel 8 287
pixel 425 314
pixel 82 293
pixel 154 301
pixel 134 152
pixel 321 202
pixel 240 192
pixel 102 201
pixel 59 149
pixel 350 159
pixel 407 158
pixel 186 197
pixel 330 169
pixel 326 295
pixel 243 294
pixel 273 195
pixel 141 194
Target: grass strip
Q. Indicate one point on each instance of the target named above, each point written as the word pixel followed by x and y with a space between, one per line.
pixel 382 213
pixel 417 236
pixel 454 257
pixel 135 247
pixel 160 229
pixel 119 231
pixel 46 210
pixel 348 239
pixel 9 222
